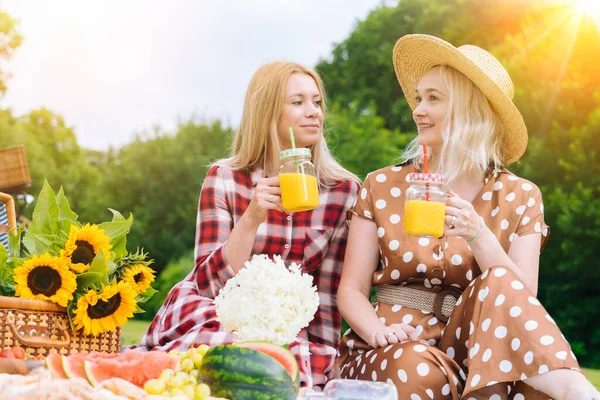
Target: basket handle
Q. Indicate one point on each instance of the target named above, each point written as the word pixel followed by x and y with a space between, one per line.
pixel 8 200
pixel 38 341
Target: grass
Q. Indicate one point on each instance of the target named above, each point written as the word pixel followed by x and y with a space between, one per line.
pixel 133 331
pixel 594 376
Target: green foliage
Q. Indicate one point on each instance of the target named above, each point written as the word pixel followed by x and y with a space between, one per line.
pixel 361 141
pixel 173 273
pixel 159 180
pixel 10 40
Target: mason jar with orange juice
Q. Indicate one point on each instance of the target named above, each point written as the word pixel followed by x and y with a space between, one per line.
pixel 425 206
pixel 298 180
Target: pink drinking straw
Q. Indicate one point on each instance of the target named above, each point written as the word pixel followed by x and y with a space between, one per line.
pixel 426 170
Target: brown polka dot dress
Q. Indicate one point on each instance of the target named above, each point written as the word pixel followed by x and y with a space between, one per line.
pixel 498 333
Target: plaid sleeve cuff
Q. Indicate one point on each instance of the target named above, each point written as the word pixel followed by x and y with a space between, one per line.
pixel 214 270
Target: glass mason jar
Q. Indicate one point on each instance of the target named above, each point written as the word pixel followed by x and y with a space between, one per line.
pixel 298 180
pixel 425 206
pixel 350 389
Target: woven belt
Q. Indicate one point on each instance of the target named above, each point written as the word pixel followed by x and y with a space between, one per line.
pixel 440 304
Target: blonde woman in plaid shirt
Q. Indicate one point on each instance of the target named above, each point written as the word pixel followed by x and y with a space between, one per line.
pixel 240 213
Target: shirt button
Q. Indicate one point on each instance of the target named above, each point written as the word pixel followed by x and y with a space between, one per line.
pixel 289 218
pixel 287 246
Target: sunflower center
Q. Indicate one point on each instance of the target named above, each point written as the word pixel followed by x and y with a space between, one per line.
pixel 44 280
pixel 84 253
pixel 137 277
pixel 105 308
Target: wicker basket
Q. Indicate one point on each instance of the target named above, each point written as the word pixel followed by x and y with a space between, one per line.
pixel 14 172
pixel 42 327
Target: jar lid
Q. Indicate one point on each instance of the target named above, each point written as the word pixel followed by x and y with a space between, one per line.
pixel 301 151
pixel 427 178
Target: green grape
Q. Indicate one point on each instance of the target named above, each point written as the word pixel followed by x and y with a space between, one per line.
pixel 166 375
pixel 202 391
pixel 186 365
pixel 155 386
pixel 189 391
pixel 177 381
pixel 197 359
pixel 193 379
pixel 194 374
pixel 174 353
pixel 202 349
pixel 177 392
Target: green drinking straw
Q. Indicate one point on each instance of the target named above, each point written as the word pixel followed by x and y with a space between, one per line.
pixel 292 138
pixel 294 147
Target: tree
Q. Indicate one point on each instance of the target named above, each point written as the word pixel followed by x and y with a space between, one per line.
pixel 10 40
pixel 158 179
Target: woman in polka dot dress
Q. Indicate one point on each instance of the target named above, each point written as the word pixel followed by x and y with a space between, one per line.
pixel 497 341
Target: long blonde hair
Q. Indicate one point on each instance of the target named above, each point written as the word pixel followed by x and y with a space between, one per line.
pixel 471 133
pixel 256 142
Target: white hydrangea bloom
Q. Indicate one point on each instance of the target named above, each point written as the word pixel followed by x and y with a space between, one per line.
pixel 265 301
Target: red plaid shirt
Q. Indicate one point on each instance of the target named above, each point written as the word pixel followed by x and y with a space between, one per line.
pixel 316 239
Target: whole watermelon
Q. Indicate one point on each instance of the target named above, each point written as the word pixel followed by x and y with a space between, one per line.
pixel 242 372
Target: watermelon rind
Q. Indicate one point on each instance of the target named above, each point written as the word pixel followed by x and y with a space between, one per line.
pixel 240 373
pixel 54 364
pixel 90 375
pixel 283 355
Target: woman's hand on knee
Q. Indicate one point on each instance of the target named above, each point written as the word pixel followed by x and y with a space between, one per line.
pixel 392 334
pixel 403 332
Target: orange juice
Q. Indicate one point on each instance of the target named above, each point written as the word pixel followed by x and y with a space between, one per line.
pixel 299 192
pixel 424 218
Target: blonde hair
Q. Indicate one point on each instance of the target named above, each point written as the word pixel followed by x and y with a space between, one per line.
pixel 471 132
pixel 256 142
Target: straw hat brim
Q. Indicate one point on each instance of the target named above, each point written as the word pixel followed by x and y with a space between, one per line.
pixel 416 54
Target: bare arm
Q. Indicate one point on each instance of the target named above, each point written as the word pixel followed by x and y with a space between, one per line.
pixel 522 257
pixel 360 262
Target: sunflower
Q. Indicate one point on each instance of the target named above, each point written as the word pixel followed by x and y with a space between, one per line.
pixel 83 245
pixel 139 276
pixel 135 269
pixel 105 310
pixel 45 278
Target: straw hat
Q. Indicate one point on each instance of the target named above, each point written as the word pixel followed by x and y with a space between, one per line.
pixel 416 54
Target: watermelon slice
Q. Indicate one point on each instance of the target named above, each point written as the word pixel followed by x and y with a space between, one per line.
pixel 279 353
pixel 132 366
pixel 54 364
pixel 72 365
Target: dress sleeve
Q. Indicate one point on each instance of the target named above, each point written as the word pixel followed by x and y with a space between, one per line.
pixel 363 206
pixel 214 223
pixel 532 214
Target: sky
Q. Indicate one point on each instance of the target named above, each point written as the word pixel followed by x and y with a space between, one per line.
pixel 112 68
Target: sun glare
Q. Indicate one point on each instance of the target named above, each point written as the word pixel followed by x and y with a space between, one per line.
pixel 589 7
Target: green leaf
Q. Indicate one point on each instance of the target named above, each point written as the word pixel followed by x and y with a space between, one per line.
pixel 3 255
pixel 144 297
pixel 38 243
pixel 117 230
pixel 65 211
pixel 70 312
pixel 14 242
pixel 7 287
pixel 42 231
pixel 87 279
pixel 98 266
